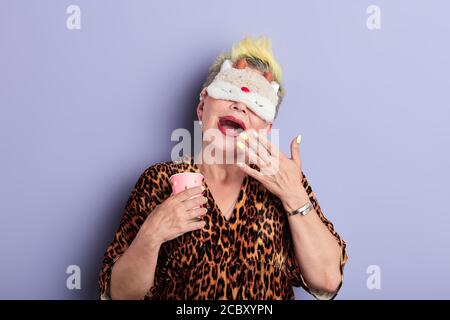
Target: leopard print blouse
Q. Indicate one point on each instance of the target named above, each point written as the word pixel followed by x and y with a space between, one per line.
pixel 248 256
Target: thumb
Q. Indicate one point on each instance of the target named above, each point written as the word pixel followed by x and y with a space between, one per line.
pixel 295 149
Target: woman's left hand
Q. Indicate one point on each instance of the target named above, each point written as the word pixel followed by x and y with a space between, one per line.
pixel 279 174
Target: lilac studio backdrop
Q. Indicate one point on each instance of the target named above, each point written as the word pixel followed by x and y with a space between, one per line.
pixel 85 111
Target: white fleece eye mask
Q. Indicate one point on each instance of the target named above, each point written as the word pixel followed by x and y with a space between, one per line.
pixel 246 86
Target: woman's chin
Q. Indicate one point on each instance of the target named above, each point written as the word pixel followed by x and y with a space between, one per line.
pixel 225 151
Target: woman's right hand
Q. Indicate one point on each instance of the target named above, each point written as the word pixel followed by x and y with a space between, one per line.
pixel 175 216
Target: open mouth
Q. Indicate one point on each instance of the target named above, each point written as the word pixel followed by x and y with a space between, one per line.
pixel 230 126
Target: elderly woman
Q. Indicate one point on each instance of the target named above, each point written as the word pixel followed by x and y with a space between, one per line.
pixel 247 232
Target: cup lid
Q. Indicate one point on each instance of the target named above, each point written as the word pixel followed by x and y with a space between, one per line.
pixel 186 173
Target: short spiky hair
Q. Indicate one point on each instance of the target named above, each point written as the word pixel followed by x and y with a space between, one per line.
pixel 258 53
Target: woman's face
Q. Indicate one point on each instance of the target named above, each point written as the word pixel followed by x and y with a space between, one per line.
pixel 227 119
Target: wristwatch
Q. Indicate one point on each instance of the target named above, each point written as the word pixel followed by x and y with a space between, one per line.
pixel 303 210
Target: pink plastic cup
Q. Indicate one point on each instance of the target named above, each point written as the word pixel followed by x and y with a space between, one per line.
pixel 185 180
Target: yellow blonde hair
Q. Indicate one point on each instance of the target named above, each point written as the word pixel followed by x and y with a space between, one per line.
pixel 257 48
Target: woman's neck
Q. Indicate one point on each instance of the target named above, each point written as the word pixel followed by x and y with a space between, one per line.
pixel 219 173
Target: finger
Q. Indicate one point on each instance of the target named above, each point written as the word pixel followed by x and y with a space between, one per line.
pixel 250 171
pixel 196 213
pixel 195 202
pixel 261 136
pixel 256 159
pixel 295 149
pixel 188 193
pixel 258 148
pixel 194 226
pixel 250 155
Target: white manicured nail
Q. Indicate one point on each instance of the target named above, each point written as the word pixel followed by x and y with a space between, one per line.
pixel 243 135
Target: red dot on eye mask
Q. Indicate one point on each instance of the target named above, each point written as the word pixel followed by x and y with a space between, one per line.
pixel 245 89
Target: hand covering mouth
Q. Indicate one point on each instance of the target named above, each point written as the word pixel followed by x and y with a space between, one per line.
pixel 230 126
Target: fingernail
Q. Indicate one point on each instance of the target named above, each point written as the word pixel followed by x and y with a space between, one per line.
pixel 299 138
pixel 240 145
pixel 203 188
pixel 243 135
pixel 240 164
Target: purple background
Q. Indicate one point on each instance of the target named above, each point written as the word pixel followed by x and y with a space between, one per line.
pixel 84 112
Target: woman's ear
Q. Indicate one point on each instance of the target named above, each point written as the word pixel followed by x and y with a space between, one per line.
pixel 200 110
pixel 201 103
